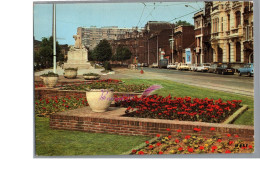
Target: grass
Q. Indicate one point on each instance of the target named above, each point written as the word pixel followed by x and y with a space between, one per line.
pixel 181 90
pixel 70 143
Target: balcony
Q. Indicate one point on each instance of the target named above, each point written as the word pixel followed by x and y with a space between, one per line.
pixel 214 35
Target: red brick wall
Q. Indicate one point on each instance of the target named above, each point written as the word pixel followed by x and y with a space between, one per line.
pixel 149 127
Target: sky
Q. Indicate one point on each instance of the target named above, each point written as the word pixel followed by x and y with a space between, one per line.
pixel 124 15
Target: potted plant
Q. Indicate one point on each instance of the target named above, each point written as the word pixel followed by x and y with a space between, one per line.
pixel 91 76
pixel 99 98
pixel 70 73
pixel 50 79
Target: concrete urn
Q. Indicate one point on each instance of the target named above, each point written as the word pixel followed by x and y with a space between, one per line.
pixel 50 82
pixel 70 73
pixel 99 100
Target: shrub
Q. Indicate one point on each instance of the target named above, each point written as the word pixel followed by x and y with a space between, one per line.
pixel 71 68
pixel 91 74
pixel 50 74
pixel 107 65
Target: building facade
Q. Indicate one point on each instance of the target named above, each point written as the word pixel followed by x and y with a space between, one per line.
pixel 232 31
pixel 91 36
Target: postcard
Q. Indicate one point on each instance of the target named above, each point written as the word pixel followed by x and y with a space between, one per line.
pixel 143 79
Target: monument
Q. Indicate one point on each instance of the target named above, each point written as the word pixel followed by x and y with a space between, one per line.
pixel 77 55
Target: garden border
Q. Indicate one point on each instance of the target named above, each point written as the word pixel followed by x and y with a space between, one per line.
pixel 112 121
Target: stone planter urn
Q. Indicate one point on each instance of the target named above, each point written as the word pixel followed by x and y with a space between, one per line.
pixel 50 80
pixel 99 99
pixel 70 73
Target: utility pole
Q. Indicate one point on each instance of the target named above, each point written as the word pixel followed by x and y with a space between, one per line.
pixel 54 38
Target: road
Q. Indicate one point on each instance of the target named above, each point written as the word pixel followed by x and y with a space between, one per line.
pixel 242 85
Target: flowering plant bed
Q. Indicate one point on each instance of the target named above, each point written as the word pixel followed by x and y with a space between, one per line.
pixel 46 107
pixel 118 87
pixel 193 144
pixel 183 109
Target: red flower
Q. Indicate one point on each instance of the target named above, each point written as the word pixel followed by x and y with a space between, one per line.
pixel 179 130
pixel 236 136
pixel 187 137
pixel 169 136
pixel 228 151
pixel 212 128
pixel 177 141
pixel 168 129
pixel 197 129
pixel 147 142
pixel 180 149
pixel 158 144
pixel 160 152
pixel 230 142
pixel 201 147
pixel 190 150
pixel 141 153
pixel 214 148
pixel 250 147
pixel 219 140
pixel 134 151
pixel 158 135
pixel 228 135
pixel 151 146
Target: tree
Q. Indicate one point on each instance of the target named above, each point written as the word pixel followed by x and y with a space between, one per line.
pixel 103 51
pixel 122 53
pixel 46 52
pixel 184 23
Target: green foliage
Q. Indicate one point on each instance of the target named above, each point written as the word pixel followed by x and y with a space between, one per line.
pixel 91 74
pixel 50 74
pixel 70 68
pixel 184 23
pixel 107 66
pixel 103 51
pixel 122 53
pixel 92 55
pixel 45 54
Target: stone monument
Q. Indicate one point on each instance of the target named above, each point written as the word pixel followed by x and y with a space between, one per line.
pixel 77 55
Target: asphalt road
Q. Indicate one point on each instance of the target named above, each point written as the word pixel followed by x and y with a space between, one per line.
pixel 243 85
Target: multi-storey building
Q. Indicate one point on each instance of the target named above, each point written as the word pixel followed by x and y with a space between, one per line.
pixel 183 39
pixel 156 38
pixel 202 27
pixel 232 31
pixel 91 36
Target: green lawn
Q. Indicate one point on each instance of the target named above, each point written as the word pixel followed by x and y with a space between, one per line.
pixel 181 90
pixel 69 143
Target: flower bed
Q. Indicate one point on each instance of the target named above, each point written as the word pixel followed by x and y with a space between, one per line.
pixel 46 107
pixel 194 144
pixel 183 109
pixel 118 87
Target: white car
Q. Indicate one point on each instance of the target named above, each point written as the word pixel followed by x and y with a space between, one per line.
pixel 154 65
pixel 203 68
pixel 172 66
pixel 183 66
pixel 193 67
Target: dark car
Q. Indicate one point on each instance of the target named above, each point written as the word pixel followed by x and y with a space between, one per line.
pixel 163 63
pixel 225 69
pixel 212 68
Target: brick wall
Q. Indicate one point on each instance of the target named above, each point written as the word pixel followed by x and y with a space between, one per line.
pixel 81 120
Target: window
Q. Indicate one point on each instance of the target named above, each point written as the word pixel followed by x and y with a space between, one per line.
pixel 222 24
pixel 228 22
pixel 238 18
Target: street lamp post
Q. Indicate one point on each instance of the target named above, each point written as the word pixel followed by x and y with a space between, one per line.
pixel 54 38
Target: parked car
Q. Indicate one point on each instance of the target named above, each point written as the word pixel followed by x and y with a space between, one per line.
pixel 183 66
pixel 225 69
pixel 163 63
pixel 144 64
pixel 154 65
pixel 172 66
pixel 212 68
pixel 203 68
pixel 193 67
pixel 247 69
